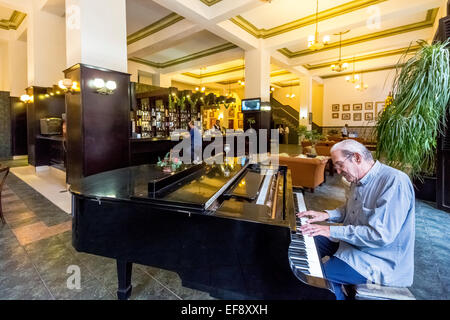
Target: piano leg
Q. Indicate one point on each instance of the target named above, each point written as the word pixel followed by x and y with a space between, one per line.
pixel 124 269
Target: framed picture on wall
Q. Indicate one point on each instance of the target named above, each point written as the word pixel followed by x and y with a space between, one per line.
pixel 379 107
pixel 369 105
pixel 368 116
pixel 357 106
pixel 346 116
pixel 345 107
pixel 335 115
pixel 357 116
pixel 335 107
pixel 231 112
pixel 241 124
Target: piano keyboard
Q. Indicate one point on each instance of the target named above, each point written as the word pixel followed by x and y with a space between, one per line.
pixel 302 251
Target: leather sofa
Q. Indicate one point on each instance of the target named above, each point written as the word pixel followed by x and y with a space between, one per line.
pixel 305 172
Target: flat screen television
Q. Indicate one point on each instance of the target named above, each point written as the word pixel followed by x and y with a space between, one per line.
pixel 251 104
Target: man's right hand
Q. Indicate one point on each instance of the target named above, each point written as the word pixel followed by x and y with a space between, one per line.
pixel 315 216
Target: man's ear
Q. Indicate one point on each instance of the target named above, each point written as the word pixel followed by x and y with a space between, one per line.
pixel 358 158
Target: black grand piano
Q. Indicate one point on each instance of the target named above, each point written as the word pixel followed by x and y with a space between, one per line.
pixel 227 229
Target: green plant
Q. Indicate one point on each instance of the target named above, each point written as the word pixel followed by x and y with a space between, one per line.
pixel 301 130
pixel 314 136
pixel 407 129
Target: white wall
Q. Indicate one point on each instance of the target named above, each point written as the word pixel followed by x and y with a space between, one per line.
pixel 338 91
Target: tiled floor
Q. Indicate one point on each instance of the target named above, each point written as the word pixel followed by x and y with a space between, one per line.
pixel 36 252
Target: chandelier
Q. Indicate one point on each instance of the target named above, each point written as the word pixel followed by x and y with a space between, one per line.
pixel 355 77
pixel 313 40
pixel 201 88
pixel 361 86
pixel 339 67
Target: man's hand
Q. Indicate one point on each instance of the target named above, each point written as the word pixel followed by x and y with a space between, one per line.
pixel 315 215
pixel 315 230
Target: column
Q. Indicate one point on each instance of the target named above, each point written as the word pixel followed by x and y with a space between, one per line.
pixel 161 80
pixel 257 74
pixel 17 67
pixel 96 33
pixel 46 47
pixel 306 97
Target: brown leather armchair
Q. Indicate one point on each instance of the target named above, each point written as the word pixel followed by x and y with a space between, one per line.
pixel 306 172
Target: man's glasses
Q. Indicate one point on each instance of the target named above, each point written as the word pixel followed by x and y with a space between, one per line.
pixel 339 164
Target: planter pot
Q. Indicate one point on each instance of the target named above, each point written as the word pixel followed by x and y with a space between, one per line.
pixel 426 189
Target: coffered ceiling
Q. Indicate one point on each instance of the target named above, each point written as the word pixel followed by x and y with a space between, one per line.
pixel 205 40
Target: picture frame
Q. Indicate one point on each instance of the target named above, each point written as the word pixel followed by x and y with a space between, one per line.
pixel 335 115
pixel 369 106
pixel 346 116
pixel 211 114
pixel 335 107
pixel 345 107
pixel 368 116
pixel 158 103
pixel 357 106
pixel 357 116
pixel 231 113
pixel 240 123
pixel 379 106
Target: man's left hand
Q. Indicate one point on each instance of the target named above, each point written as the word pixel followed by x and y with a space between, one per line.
pixel 315 230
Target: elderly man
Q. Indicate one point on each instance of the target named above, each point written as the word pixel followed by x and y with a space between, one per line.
pixel 375 242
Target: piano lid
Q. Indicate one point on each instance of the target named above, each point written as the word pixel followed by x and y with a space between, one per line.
pixel 132 183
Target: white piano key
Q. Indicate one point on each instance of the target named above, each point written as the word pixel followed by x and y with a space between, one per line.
pixel 311 255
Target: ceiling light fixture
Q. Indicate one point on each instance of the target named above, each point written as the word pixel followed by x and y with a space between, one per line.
pixel 355 77
pixel 201 88
pixel 339 67
pixel 313 40
pixel 361 86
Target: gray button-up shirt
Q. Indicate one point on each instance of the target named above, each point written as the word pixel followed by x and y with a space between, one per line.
pixel 377 236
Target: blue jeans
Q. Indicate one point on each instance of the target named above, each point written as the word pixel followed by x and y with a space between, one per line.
pixel 337 272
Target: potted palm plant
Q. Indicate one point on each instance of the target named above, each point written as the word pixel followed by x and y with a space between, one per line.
pixel 407 129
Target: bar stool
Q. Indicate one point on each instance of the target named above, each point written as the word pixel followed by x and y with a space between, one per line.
pixel 3 171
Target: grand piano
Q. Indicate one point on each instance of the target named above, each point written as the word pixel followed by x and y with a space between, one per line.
pixel 227 229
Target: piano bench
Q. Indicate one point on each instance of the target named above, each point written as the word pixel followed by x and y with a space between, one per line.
pixel 369 291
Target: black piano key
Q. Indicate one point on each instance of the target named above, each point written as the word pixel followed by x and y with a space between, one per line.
pixel 301 263
pixel 298 252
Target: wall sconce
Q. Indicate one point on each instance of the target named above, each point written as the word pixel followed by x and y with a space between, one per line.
pixel 68 85
pixel 303 114
pixel 26 98
pixel 103 87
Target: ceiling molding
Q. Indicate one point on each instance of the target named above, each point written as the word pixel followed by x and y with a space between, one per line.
pixel 282 84
pixel 214 73
pixel 229 70
pixel 427 23
pixel 14 21
pixel 300 23
pixel 365 57
pixel 362 71
pixel 210 3
pixel 204 53
pixel 163 23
